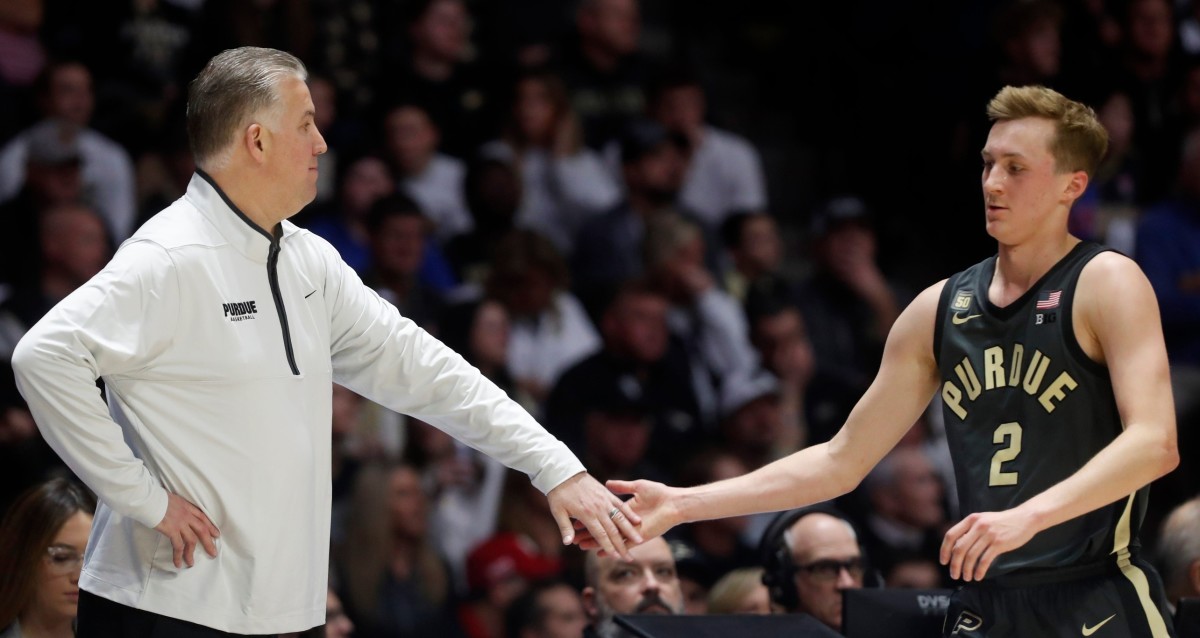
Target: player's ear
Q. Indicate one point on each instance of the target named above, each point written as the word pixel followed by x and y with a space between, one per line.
pixel 1076 186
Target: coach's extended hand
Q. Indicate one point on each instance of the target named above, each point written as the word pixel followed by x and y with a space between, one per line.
pixel 654 502
pixel 605 518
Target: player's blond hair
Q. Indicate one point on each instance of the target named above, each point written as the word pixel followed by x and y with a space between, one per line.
pixel 1079 142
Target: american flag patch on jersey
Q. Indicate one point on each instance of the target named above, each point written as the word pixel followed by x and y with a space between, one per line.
pixel 1048 299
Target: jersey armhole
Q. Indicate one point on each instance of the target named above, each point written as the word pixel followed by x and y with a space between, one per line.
pixel 939 319
pixel 1069 336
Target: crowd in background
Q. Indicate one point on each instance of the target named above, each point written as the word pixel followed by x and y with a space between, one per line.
pixel 677 232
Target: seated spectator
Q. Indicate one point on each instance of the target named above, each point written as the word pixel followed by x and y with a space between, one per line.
pixel 52 178
pixel 639 353
pixel 647 585
pixel 499 571
pixel 1179 551
pixel 752 427
pixel 707 550
pixel 550 330
pixel 343 221
pixel 433 180
pixel 848 304
pixel 434 71
pixel 464 487
pixel 608 247
pixel 914 571
pixel 493 192
pixel 617 424
pixel 564 182
pixel 724 171
pixel 42 540
pixel 393 581
pixel 399 234
pixel 603 69
pixel 741 591
pixel 810 556
pixel 549 609
pixel 751 241
pixel 709 322
pixel 907 515
pixel 65 91
pixel 74 247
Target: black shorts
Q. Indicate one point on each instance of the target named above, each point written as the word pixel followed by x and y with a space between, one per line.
pixel 1111 600
pixel 102 618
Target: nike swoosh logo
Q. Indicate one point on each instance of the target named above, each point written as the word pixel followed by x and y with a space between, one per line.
pixel 959 320
pixel 1087 631
pixel 309 294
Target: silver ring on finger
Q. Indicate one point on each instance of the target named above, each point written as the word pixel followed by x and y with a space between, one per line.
pixel 612 513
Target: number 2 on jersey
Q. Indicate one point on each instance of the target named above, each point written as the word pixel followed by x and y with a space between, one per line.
pixel 1009 433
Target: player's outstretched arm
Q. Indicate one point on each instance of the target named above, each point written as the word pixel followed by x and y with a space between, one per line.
pixel 906 381
pixel 1116 311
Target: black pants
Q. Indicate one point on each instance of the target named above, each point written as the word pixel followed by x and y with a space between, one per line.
pixel 1109 602
pixel 102 618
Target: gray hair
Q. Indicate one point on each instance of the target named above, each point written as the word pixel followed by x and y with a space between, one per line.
pixel 1179 544
pixel 235 86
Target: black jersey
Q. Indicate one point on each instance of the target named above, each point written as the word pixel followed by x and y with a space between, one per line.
pixel 1026 408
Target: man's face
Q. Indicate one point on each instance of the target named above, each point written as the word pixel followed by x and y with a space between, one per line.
pixel 563 613
pixel 619 439
pixel 648 585
pixel 366 182
pixel 614 25
pixel 74 242
pixel 819 542
pixel 442 31
pixel 918 492
pixel 411 138
pixel 70 96
pixel 294 144
pixel 398 245
pixel 760 247
pixel 1022 188
pixel 638 326
pixel 681 109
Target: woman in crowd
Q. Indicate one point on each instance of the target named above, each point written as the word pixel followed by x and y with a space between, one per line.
pixel 41 552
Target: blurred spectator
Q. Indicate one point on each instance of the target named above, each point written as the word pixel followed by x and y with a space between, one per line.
pixel 343 222
pixel 1149 71
pixel 52 178
pixel 1107 212
pixel 751 241
pixel 22 58
pixel 1030 43
pixel 810 556
pixel 564 182
pixel 724 171
pixel 914 571
pixel 393 581
pixel 480 331
pixel 907 516
pixel 433 180
pixel 1168 250
pixel 811 407
pixel 434 73
pixel 498 572
pixel 523 512
pixel 741 591
pixel 74 247
pixel 325 109
pixel 617 425
pixel 752 427
pixel 350 448
pixel 707 550
pixel 638 354
pixel 348 37
pixel 65 91
pixel 550 330
pixel 603 69
pixel 708 321
pixel 1179 551
pixel 399 233
pixel 493 192
pixel 464 488
pixel 608 248
pixel 848 304
pixel 42 540
pixel 549 609
pixel 647 585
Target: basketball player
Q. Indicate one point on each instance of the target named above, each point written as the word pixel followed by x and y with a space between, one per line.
pixel 1050 363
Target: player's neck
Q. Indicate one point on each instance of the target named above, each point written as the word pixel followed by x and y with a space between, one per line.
pixel 1020 266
